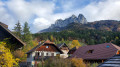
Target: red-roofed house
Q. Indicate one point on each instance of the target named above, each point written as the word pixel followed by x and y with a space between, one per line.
pixel 42 51
pixel 97 52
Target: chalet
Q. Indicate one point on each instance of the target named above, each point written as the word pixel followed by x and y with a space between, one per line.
pixel 63 47
pixel 97 53
pixel 6 33
pixel 42 52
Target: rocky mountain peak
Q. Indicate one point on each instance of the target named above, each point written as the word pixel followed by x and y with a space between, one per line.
pixel 80 15
pixel 82 19
pixel 73 16
pixel 72 19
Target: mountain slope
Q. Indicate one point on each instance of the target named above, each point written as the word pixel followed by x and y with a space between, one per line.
pixel 81 23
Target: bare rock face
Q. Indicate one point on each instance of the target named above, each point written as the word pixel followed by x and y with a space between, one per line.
pixel 82 19
pixel 63 23
pixel 72 19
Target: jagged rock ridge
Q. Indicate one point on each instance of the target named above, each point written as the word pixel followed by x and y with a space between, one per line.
pixel 62 23
pixel 72 19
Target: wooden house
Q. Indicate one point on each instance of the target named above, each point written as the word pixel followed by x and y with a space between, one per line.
pixel 6 33
pixel 42 52
pixel 96 53
pixel 63 47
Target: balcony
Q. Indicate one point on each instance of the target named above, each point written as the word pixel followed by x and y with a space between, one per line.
pixel 39 58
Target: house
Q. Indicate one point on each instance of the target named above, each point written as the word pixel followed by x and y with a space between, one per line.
pixel 63 47
pixel 71 51
pixel 6 33
pixel 41 52
pixel 111 62
pixel 96 53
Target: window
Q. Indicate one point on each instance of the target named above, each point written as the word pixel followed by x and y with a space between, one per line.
pixel 37 53
pixel 52 54
pixel 107 46
pixel 47 46
pixel 46 54
pixel 28 55
pixel 90 51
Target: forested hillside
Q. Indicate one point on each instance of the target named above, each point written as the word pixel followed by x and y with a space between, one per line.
pixel 88 36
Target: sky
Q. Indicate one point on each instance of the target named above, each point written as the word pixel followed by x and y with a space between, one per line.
pixel 40 14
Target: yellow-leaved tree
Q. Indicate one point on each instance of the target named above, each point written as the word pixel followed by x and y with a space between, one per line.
pixel 77 62
pixel 6 58
pixel 75 43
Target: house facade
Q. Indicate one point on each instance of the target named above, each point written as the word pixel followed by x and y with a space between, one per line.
pixel 6 33
pixel 63 47
pixel 41 52
pixel 96 53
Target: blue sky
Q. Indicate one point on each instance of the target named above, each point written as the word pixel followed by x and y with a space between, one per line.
pixel 40 14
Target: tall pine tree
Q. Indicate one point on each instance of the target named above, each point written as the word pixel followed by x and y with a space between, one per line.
pixel 27 37
pixel 18 30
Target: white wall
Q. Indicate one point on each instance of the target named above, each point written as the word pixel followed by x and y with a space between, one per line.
pixel 32 55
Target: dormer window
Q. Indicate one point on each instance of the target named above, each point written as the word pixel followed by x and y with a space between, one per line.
pixel 90 51
pixel 107 46
pixel 47 46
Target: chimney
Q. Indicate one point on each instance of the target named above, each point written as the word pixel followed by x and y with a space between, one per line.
pixel 2 24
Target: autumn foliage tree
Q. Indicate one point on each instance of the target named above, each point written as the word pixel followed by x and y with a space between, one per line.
pixel 77 62
pixel 75 43
pixel 6 58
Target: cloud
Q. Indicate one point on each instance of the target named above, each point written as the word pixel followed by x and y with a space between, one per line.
pixel 5 16
pixel 42 13
pixel 104 10
pixel 32 10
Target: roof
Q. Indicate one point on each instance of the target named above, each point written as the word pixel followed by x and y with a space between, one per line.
pixel 6 26
pixel 71 51
pixel 112 62
pixel 8 31
pixel 60 45
pixel 39 45
pixel 99 51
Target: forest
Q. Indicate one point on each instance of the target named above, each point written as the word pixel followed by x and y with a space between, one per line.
pixel 88 36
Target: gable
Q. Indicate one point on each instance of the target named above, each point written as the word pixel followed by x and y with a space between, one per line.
pixel 62 45
pixel 42 47
pixel 5 33
pixel 47 47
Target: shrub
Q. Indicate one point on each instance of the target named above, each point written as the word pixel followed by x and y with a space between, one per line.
pixel 6 58
pixel 77 62
pixel 57 62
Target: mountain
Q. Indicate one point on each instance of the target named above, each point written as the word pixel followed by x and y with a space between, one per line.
pixel 72 19
pixel 108 25
pixel 63 23
pixel 80 23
